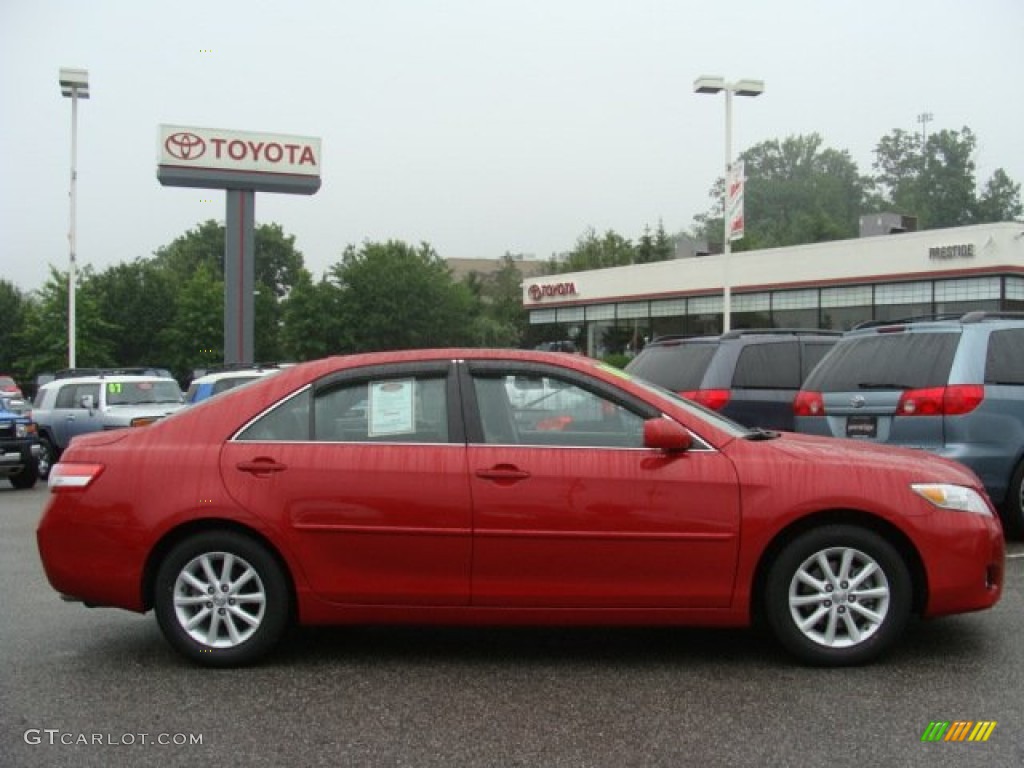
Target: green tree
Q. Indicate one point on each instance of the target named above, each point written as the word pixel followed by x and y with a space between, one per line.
pixel 44 333
pixel 936 181
pixel 137 301
pixel 312 326
pixel 593 252
pixel 277 267
pixel 657 247
pixel 395 296
pixel 195 336
pixel 797 191
pixel 13 308
pixel 500 320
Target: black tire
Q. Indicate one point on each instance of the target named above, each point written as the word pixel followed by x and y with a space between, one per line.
pixel 27 477
pixel 1012 510
pixel 257 624
pixel 866 619
pixel 47 457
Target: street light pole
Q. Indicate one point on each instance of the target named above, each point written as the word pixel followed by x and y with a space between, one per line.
pixel 714 84
pixel 74 83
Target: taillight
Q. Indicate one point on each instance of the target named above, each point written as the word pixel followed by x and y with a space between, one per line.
pixel 73 476
pixel 808 404
pixel 941 401
pixel 715 399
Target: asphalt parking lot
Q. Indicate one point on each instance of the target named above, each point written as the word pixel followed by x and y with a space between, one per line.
pixel 101 688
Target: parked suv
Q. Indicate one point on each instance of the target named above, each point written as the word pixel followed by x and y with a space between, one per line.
pixel 751 376
pixel 214 381
pixel 74 405
pixel 952 386
pixel 19 443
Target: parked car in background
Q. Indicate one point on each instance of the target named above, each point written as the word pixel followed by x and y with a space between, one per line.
pixel 8 386
pixel 404 487
pixel 953 386
pixel 78 404
pixel 19 443
pixel 751 376
pixel 214 381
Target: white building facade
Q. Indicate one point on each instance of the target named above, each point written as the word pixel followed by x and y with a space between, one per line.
pixel 832 285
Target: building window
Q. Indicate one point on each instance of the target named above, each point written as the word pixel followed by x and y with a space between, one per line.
pixel 805 299
pixel 601 312
pixel 971 289
pixel 904 293
pixel 849 296
pixel 633 310
pixel 569 315
pixel 668 308
pixel 542 316
pixel 1014 294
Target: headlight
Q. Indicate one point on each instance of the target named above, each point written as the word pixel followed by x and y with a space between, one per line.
pixel 21 430
pixel 953 497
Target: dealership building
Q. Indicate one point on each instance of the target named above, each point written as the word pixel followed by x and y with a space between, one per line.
pixel 832 285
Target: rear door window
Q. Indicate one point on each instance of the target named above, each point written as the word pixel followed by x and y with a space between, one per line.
pixel 887 361
pixel 768 366
pixel 1004 363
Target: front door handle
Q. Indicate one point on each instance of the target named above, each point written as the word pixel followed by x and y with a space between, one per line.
pixel 261 466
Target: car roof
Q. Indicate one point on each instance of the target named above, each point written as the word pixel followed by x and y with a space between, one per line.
pixel 938 322
pixel 234 374
pixel 101 378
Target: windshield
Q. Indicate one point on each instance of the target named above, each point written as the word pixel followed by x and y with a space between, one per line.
pixel 142 392
pixel 716 420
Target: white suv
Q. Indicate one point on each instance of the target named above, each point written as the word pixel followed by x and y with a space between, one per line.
pixel 71 406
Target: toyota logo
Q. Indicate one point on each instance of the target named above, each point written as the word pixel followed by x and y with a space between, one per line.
pixel 185 146
pixel 857 401
pixel 535 292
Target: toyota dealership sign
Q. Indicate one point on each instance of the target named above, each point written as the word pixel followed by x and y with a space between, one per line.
pixel 212 157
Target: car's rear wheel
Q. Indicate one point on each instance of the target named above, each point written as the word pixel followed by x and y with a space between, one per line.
pixel 838 595
pixel 1013 507
pixel 221 599
pixel 27 477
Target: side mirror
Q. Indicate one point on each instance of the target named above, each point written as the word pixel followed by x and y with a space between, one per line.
pixel 86 402
pixel 666 435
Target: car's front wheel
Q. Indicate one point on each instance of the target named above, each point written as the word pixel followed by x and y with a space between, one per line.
pixel 221 599
pixel 838 595
pixel 1013 507
pixel 47 456
pixel 27 477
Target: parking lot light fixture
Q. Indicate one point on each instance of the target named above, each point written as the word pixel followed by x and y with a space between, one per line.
pixel 74 84
pixel 712 84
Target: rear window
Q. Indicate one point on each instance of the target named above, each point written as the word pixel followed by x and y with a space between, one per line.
pixel 768 366
pixel 814 353
pixel 678 367
pixel 886 361
pixel 1004 363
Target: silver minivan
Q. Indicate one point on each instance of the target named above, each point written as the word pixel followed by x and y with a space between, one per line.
pixel 954 387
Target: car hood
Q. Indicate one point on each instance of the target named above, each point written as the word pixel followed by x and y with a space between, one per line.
pixel 832 451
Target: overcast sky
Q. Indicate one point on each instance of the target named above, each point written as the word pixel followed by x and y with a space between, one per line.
pixel 477 126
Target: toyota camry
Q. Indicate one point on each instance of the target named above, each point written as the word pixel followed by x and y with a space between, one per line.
pixel 507 487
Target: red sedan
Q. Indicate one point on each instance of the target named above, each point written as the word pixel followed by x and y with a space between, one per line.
pixel 507 487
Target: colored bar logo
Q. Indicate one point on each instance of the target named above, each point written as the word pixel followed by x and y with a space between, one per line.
pixel 958 730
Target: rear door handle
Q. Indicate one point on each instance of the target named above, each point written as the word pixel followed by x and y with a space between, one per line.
pixel 503 473
pixel 261 466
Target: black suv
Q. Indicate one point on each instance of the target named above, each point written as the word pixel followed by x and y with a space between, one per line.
pixel 751 376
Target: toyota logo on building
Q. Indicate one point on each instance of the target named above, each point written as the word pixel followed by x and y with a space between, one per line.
pixel 185 146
